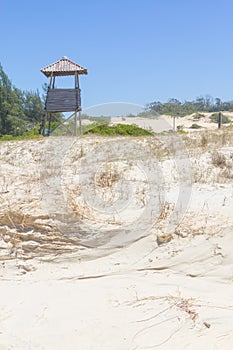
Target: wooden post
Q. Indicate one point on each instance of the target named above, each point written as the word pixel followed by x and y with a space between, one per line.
pixel 52 82
pixel 75 123
pixel 174 123
pixel 80 123
pixel 43 123
pixel 76 81
pixel 49 126
pixel 219 120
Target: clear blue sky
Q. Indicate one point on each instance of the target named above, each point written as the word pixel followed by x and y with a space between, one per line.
pixel 135 51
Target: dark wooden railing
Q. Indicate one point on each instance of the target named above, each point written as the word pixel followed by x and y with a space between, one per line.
pixel 63 100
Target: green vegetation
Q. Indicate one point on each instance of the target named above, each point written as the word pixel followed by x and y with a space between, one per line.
pixel 31 134
pixel 215 116
pixel 21 112
pixel 181 131
pixel 195 126
pixel 201 104
pixel 25 136
pixel 150 114
pixel 119 129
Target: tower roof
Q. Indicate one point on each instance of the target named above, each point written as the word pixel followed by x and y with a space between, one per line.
pixel 63 67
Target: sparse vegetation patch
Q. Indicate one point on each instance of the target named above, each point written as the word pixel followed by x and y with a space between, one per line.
pixel 119 129
pixel 215 116
pixel 195 126
pixel 218 159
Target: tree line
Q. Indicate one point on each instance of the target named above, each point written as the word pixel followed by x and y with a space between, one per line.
pixel 200 104
pixel 23 111
pixel 20 111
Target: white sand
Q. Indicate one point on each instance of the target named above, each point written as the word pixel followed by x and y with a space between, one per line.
pixel 56 295
pixel 165 122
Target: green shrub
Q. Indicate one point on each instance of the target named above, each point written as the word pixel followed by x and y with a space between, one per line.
pixel 118 129
pixel 30 134
pixel 25 136
pixel 195 126
pixel 215 116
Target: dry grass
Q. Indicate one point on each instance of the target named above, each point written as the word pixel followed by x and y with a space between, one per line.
pixel 225 163
pixel 25 237
pixel 208 140
pixel 218 159
pixel 107 177
pixel 184 305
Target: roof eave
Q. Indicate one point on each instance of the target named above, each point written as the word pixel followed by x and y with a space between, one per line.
pixel 62 74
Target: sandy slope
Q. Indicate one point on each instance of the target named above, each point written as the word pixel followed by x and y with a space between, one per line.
pixel 57 293
pixel 165 122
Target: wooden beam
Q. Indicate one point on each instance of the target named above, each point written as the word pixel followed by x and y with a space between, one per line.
pixel 219 120
pixel 174 123
pixel 80 123
pixel 75 123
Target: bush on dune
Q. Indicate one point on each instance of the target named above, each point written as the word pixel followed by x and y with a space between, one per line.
pixel 119 129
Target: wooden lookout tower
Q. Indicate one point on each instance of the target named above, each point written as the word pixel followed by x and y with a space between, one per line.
pixel 63 100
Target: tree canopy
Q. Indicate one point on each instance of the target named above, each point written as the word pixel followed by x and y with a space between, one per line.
pixel 201 104
pixel 19 110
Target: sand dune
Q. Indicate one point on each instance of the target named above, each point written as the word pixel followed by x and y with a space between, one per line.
pixel 77 274
pixel 166 122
